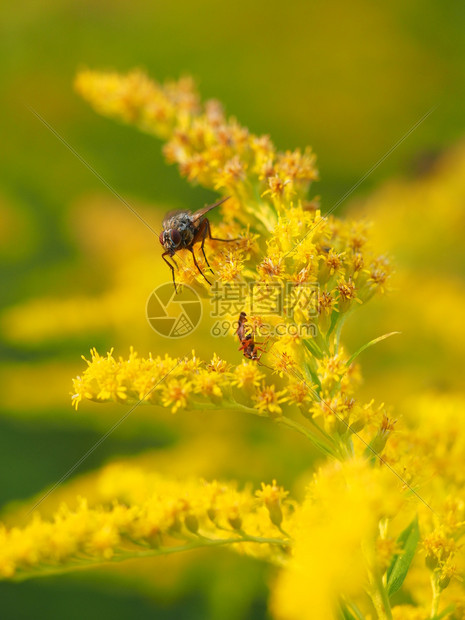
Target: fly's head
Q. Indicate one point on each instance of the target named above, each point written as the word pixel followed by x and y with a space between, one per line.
pixel 171 240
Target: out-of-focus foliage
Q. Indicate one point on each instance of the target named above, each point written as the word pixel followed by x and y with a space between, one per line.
pixel 420 223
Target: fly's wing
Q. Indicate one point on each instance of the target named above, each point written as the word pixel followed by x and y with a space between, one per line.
pixel 171 214
pixel 201 212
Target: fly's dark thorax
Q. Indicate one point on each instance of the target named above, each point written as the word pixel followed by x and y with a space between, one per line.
pixel 182 222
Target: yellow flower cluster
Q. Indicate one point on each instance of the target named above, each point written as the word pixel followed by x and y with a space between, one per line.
pixel 268 191
pixel 209 148
pixel 144 514
pixel 345 535
pixel 273 496
pixel 191 384
pixel 136 99
pixel 430 455
pixel 348 549
pixel 337 535
pixel 173 383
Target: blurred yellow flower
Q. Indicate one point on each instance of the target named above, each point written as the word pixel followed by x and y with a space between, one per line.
pixel 158 516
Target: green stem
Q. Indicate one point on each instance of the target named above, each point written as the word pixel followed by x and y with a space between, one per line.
pixel 325 445
pixel 128 555
pixel 380 598
pixel 346 448
pixel 230 406
pixel 338 332
pixel 321 342
pixel 436 595
pixel 320 443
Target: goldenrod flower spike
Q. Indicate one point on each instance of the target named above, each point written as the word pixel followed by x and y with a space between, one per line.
pixel 209 148
pixel 167 517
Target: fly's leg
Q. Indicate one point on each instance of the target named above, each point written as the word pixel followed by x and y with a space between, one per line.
pixel 205 227
pixel 200 235
pixel 216 238
pixel 198 268
pixel 203 230
pixel 172 269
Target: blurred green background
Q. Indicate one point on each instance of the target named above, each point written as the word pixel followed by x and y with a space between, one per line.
pixel 347 78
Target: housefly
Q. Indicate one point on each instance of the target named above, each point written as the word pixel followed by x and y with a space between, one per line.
pixel 182 229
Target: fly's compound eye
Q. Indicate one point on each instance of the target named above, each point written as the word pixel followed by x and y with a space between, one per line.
pixel 175 236
pixel 161 237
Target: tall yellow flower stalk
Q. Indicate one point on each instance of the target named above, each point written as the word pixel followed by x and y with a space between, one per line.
pixel 374 537
pixel 144 515
pixel 325 265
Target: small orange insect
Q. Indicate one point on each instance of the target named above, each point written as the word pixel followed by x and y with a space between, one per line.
pixel 249 347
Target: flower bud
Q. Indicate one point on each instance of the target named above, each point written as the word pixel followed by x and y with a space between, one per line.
pixel 443 581
pixel 192 523
pixel 235 522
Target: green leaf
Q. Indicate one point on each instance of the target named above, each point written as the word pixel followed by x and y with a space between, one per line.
pixel 369 344
pixel 345 613
pixel 400 564
pixel 334 319
pixel 349 611
pixel 313 348
pixel 310 374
